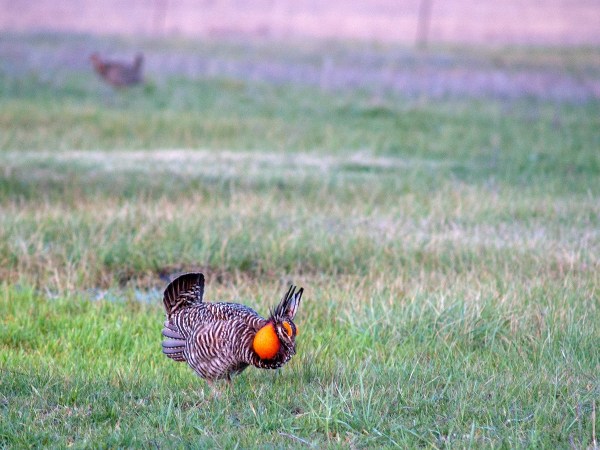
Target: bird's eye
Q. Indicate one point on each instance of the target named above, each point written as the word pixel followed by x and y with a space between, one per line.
pixel 288 328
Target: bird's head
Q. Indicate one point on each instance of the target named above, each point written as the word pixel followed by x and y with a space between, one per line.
pixel 138 61
pixel 277 339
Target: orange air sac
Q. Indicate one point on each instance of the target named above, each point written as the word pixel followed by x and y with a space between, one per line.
pixel 266 343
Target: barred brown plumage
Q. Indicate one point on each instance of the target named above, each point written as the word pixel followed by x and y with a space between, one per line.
pixel 221 339
pixel 118 74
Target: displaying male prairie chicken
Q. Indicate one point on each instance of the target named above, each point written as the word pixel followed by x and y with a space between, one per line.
pixel 221 339
pixel 119 74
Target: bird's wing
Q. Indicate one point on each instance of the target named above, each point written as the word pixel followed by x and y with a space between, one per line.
pixel 207 348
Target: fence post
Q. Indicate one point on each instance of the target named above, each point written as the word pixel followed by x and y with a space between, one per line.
pixel 423 23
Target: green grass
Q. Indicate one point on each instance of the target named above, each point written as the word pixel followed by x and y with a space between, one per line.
pixel 374 368
pixel 449 252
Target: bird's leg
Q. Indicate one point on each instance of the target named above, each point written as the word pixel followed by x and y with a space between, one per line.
pixel 215 392
pixel 229 383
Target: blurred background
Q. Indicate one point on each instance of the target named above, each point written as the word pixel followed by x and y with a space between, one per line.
pixel 542 22
pixel 260 94
pixel 416 47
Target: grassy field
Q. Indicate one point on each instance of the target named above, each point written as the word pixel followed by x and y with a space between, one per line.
pixel 449 249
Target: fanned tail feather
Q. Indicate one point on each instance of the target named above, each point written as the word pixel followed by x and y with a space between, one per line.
pixel 184 291
pixel 137 64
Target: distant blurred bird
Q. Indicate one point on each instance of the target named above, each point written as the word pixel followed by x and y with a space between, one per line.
pixel 118 74
pixel 219 339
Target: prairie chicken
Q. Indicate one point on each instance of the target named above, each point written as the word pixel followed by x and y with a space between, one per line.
pixel 221 339
pixel 118 74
